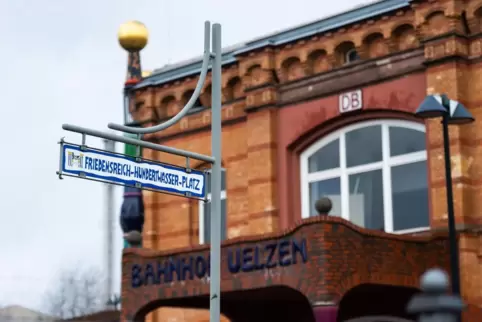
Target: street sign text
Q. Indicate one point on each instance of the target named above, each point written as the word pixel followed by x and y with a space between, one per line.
pixel 126 170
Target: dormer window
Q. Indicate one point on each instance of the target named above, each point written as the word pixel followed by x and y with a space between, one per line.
pixel 346 53
pixel 351 56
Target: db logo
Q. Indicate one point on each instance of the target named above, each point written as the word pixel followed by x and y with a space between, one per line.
pixel 351 101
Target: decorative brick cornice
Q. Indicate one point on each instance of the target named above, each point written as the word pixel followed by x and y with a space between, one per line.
pixel 327 220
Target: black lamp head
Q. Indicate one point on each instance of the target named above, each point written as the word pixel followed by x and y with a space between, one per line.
pixel 459 114
pixel 431 107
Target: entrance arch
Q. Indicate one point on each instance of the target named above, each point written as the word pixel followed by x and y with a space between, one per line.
pixel 317 264
pixel 272 303
pixel 376 303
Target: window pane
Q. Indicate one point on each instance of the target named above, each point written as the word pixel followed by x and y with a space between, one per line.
pixel 366 199
pixel 364 146
pixel 410 196
pixel 207 221
pixel 351 56
pixel 327 188
pixel 223 181
pixel 403 141
pixel 328 157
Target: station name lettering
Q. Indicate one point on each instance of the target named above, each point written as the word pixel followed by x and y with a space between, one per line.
pixel 246 259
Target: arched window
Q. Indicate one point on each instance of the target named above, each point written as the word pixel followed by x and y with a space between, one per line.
pixel 351 56
pixel 205 212
pixel 374 172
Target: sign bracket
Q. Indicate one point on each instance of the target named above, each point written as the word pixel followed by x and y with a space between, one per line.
pixel 61 159
pixel 136 142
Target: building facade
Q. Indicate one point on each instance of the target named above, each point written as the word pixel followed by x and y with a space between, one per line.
pixel 321 110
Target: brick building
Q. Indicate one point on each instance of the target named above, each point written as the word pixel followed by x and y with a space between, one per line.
pixel 323 109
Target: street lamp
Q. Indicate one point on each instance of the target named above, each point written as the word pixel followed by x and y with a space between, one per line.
pixel 451 112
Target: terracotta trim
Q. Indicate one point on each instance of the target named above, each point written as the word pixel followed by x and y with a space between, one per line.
pixel 262 146
pixel 164 204
pixel 439 38
pixel 256 108
pixel 458 142
pixel 259 180
pixel 260 87
pixel 307 98
pixel 193 232
pixel 234 100
pixel 357 66
pixel 351 77
pixel 186 133
pixel 445 65
pixel 236 158
pixel 236 190
pixel 174 234
pixel 263 214
pixel 253 148
pixel 457 58
pixel 462 180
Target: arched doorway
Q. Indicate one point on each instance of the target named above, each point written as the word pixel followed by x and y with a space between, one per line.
pixel 273 303
pixel 376 303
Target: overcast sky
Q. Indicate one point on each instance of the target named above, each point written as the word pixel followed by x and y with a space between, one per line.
pixel 62 64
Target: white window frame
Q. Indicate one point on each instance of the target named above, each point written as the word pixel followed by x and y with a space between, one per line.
pixel 347 55
pixel 201 212
pixel 343 172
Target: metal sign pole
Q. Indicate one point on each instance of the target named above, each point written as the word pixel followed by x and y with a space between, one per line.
pixel 215 286
pixel 109 230
pixel 214 55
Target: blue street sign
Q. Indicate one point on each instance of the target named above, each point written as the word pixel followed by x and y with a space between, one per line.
pixel 121 169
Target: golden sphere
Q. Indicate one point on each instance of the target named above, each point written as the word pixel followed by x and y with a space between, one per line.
pixel 133 36
pixel 146 73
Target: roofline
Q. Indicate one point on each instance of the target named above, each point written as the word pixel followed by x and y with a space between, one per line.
pixel 190 67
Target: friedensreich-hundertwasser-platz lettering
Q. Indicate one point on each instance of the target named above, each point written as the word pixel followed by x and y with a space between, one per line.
pixel 246 259
pixel 137 172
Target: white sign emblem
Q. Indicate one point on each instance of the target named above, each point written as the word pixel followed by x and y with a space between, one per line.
pixel 351 101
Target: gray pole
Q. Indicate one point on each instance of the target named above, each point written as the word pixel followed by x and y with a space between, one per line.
pixel 109 242
pixel 215 277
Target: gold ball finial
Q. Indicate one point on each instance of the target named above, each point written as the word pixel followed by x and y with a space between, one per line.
pixel 133 36
pixel 146 73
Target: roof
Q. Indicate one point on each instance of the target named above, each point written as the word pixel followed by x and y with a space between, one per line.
pixel 190 67
pixel 14 313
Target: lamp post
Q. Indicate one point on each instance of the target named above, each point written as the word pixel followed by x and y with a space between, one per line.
pixel 451 112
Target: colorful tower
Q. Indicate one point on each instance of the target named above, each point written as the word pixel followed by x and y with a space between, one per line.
pixel 133 37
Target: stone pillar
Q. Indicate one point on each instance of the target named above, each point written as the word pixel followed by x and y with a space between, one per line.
pixel 261 163
pixel 449 72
